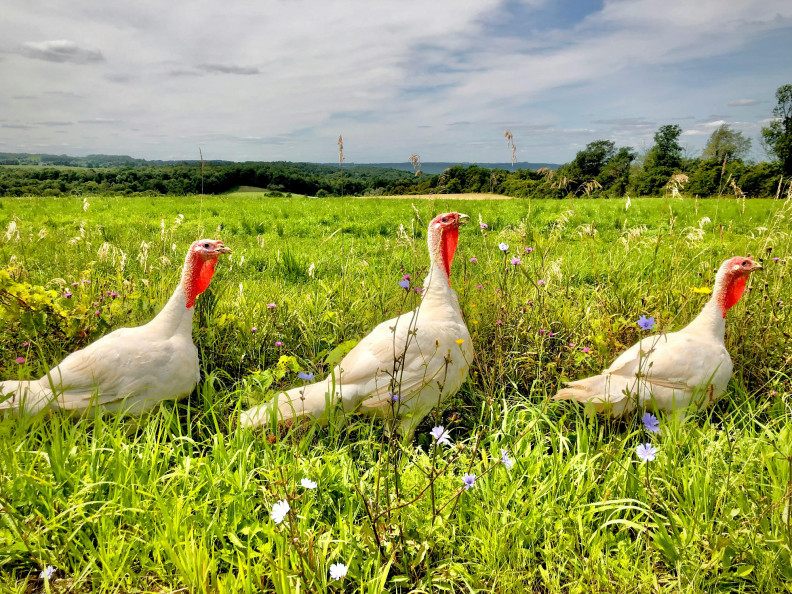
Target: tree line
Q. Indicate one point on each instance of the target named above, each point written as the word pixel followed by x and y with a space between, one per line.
pixel 600 169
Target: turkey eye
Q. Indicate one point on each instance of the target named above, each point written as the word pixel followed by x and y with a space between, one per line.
pixel 445 219
pixel 206 245
pixel 745 263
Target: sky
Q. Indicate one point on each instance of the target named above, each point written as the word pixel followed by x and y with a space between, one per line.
pixel 444 79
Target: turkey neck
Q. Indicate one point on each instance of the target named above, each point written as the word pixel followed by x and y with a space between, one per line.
pixel 176 316
pixel 438 294
pixel 728 289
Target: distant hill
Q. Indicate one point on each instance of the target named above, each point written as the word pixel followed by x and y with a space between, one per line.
pixel 110 161
pixel 434 167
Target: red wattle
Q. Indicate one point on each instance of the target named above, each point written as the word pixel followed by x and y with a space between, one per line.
pixel 448 246
pixel 200 277
pixel 735 288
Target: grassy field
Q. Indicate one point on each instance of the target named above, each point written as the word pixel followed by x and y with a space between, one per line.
pixel 181 500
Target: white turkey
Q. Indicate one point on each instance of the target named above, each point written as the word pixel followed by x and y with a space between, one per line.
pixel 672 371
pixel 131 369
pixel 406 365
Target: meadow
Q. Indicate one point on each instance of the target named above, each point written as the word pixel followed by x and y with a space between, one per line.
pixel 181 499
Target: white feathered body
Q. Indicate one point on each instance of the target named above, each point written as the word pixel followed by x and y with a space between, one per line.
pixel 671 372
pixel 129 370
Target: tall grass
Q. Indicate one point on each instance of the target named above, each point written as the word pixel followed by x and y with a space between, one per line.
pixel 182 498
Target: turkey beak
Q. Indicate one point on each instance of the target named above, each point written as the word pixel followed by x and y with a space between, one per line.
pixel 223 249
pixel 463 219
pixel 755 266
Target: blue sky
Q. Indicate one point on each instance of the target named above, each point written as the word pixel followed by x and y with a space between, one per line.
pixel 444 79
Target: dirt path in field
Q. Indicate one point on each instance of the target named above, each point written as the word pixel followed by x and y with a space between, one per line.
pixel 446 197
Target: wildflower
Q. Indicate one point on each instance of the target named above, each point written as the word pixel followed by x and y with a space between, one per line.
pixel 278 343
pixel 551 333
pixel 701 290
pixel 498 323
pixel 650 423
pixel 67 294
pixel 542 331
pixel 26 344
pixel 20 360
pixel 307 483
pixel 395 398
pixel 404 284
pixel 279 511
pixel 338 571
pixel 468 480
pixel 645 323
pixel 47 572
pixel 484 225
pixel 254 329
pixel 473 260
pixel 646 452
pixel 460 341
pixel 528 250
pixel 406 277
pixel 505 460
pixel 440 435
pixel 85 282
pixel 479 287
pixel 75 284
pixel 516 261
pixel 504 247
pixel 776 259
pixel 571 345
pixel 419 289
pixel 305 376
pixel 271 306
pixel 108 292
pixel 97 312
pixel 585 350
pixel 114 294
pixel 541 283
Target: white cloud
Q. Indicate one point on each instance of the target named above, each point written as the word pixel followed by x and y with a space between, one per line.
pixel 395 77
pixel 743 102
pixel 60 50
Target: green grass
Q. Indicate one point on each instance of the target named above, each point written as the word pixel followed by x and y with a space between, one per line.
pixel 182 497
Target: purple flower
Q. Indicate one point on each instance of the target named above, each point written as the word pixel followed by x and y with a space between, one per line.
pixel 108 292
pixel 498 323
pixel 505 460
pixel 254 329
pixel 26 344
pixel 97 312
pixel 306 376
pixel 541 283
pixel 67 294
pixel 271 306
pixel 645 323
pixel 474 260
pixel 551 333
pixel 404 284
pixel 468 480
pixel 406 277
pixel 278 343
pixel 479 287
pixel 484 225
pixel 528 250
pixel 440 435
pixel 504 247
pixel 541 331
pixel 75 284
pixel 776 259
pixel 418 289
pixel 85 282
pixel 20 360
pixel 516 261
pixel 113 294
pixel 646 452
pixel 585 349
pixel 650 423
pixel 47 573
pixel 395 398
pixel 571 345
